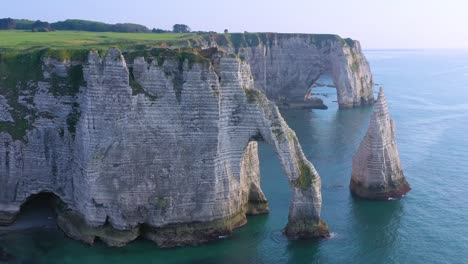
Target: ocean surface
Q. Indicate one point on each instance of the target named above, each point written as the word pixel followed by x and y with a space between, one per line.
pixel 427 93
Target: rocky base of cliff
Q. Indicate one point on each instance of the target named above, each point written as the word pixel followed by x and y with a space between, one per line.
pixel 173 235
pixel 364 102
pixel 257 207
pixel 7 218
pixel 191 234
pixel 394 191
pixel 306 229
pixel 74 226
pixel 312 103
pixel 92 143
pixel 5 256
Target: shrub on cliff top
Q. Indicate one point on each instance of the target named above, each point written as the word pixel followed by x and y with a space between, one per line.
pixel 7 23
pixel 40 26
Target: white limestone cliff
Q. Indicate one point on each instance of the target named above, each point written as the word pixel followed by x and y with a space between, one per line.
pixel 377 171
pixel 285 66
pixel 162 148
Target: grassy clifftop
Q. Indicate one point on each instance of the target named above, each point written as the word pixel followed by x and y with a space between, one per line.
pixel 17 40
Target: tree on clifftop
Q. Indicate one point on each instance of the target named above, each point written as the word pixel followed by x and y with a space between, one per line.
pixel 180 28
pixel 40 26
pixel 7 23
pixel 158 30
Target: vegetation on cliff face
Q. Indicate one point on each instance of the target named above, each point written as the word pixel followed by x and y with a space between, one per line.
pixel 69 85
pixel 355 66
pixel 246 39
pixel 21 55
pixel 137 88
pixel 190 56
pixel 21 70
pixel 253 95
pixel 350 42
pixel 73 118
pixel 18 73
pixel 67 54
pixel 306 175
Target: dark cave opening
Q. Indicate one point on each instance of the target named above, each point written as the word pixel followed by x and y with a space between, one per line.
pixel 37 211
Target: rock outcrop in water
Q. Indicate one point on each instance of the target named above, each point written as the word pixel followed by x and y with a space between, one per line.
pixel 285 66
pixel 377 171
pixel 160 145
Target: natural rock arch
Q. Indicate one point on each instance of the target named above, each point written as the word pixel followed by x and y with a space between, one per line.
pixel 265 122
pixel 156 151
pixel 284 66
pixel 254 198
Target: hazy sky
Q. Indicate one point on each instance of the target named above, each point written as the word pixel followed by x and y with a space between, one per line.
pixel 376 23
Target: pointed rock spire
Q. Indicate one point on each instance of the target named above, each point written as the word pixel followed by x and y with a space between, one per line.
pixel 377 172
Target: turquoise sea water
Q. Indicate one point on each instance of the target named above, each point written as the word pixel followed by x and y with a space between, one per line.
pixel 427 93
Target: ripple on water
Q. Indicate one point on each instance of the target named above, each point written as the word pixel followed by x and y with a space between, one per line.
pixel 278 237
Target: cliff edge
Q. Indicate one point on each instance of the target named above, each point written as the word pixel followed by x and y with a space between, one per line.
pixel 158 143
pixel 285 66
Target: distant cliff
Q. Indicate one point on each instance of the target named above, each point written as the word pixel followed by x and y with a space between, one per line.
pixel 285 66
pixel 160 143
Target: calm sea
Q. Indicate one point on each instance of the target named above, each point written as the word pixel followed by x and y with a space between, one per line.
pixel 427 92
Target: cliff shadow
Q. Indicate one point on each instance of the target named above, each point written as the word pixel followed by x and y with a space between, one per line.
pixel 35 226
pixel 38 211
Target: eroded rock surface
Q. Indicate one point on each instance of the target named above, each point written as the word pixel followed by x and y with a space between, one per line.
pixel 377 171
pixel 164 148
pixel 285 66
pixel 5 115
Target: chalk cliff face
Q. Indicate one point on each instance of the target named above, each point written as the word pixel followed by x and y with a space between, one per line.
pixel 162 147
pixel 377 171
pixel 285 66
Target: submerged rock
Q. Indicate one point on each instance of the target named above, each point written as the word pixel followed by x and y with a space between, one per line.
pixel 377 171
pixel 5 256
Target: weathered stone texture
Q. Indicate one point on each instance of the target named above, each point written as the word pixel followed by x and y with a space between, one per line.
pixel 5 114
pixel 287 65
pixel 175 161
pixel 377 171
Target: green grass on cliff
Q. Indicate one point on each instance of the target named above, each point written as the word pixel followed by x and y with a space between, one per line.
pixel 18 40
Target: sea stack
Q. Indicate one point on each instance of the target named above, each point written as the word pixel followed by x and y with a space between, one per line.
pixel 377 172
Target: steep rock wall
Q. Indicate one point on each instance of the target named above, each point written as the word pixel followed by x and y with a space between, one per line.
pixel 377 171
pixel 285 66
pixel 157 148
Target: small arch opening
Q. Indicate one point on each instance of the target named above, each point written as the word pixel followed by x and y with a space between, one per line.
pixel 322 93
